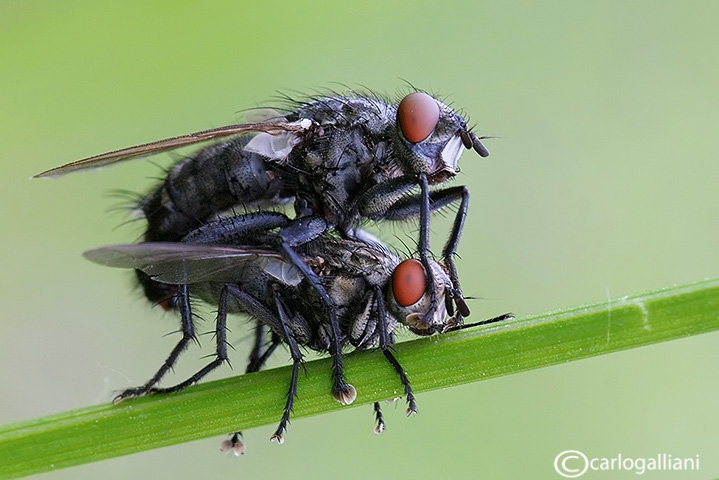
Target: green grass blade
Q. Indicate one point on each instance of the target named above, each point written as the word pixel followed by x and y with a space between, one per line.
pixel 240 403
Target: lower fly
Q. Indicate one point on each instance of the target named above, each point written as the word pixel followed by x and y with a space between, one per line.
pixel 233 265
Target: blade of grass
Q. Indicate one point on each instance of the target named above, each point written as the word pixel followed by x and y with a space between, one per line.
pixel 247 401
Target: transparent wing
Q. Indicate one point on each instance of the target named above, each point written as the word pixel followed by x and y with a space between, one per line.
pixel 273 127
pixel 183 263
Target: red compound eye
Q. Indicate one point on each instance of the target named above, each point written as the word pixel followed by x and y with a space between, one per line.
pixel 409 282
pixel 418 114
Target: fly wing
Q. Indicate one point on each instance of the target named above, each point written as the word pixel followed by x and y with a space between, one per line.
pixel 272 127
pixel 182 263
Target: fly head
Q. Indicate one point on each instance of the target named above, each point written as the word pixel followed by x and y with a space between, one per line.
pixel 409 301
pixel 430 137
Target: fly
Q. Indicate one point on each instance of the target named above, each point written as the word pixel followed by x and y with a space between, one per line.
pixel 371 290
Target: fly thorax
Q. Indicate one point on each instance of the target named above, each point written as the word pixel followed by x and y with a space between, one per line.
pixel 345 289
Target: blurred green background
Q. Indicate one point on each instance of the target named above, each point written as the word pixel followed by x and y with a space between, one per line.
pixel 603 182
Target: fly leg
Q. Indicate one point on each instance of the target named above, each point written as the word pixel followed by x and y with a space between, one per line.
pixel 433 201
pixel 423 245
pixel 385 345
pixel 302 231
pixel 394 201
pixel 188 335
pixel 257 360
pixel 500 318
pixel 296 363
pixel 450 248
pixel 278 322
pixel 379 419
pixel 389 201
pixel 257 356
pixel 237 228
pixel 256 353
pixel 220 353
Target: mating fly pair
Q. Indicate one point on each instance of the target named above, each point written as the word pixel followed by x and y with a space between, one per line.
pixel 341 160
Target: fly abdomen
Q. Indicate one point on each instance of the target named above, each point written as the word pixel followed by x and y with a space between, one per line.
pixel 216 179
